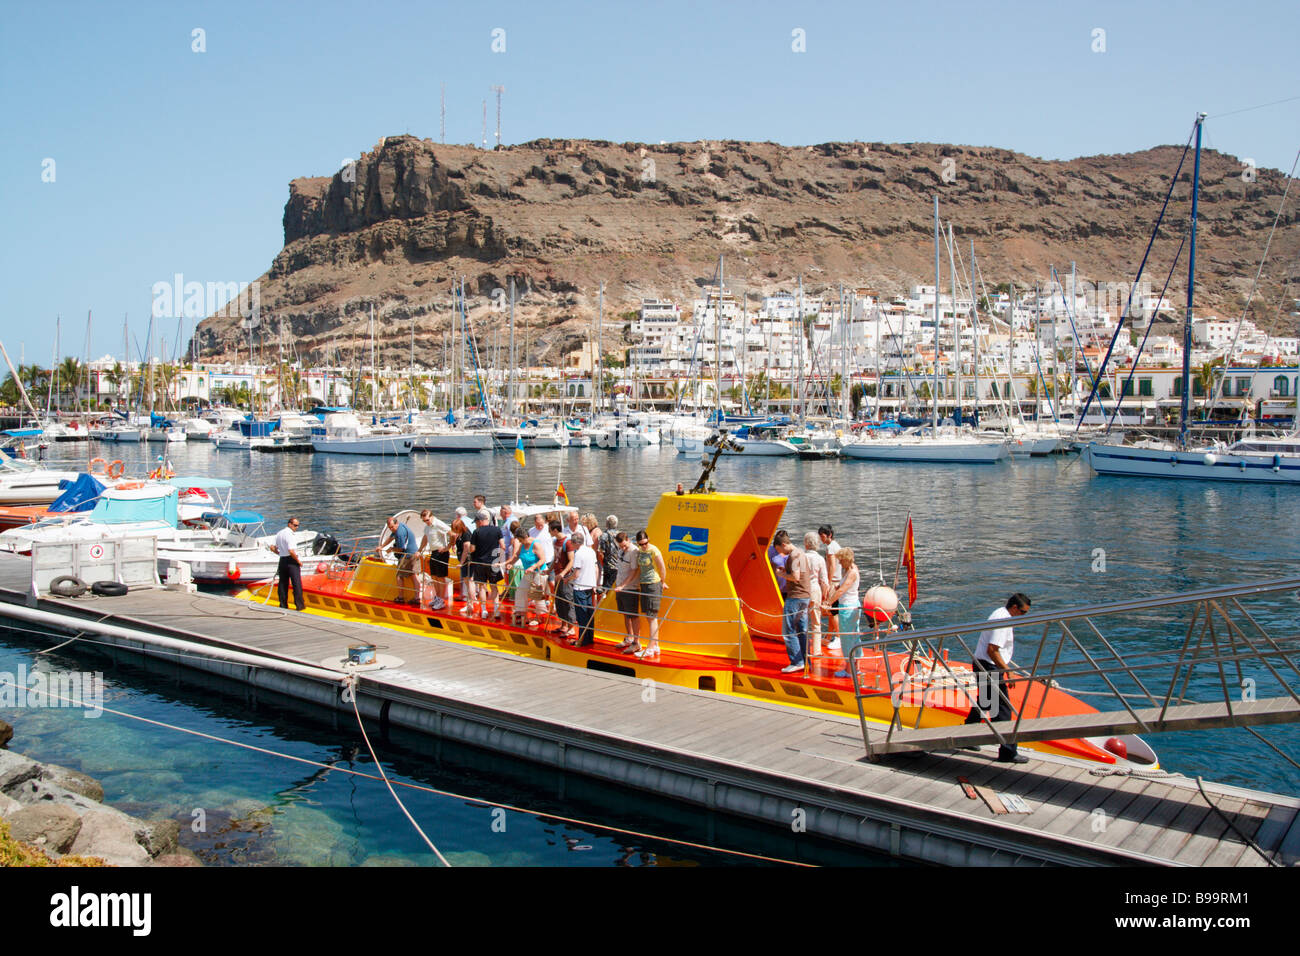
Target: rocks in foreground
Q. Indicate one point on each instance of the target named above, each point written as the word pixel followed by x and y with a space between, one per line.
pixel 57 811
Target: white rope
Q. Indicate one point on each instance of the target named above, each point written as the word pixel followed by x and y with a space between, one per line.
pixel 352 686
pixel 880 552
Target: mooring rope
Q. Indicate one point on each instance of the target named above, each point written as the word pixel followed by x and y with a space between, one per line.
pixel 352 686
pixel 1232 826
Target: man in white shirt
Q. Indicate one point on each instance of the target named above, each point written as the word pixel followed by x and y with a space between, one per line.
pixel 584 572
pixel 290 570
pixel 437 546
pixel 576 530
pixel 992 666
pixel 541 536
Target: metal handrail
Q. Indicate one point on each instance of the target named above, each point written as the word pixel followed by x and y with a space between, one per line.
pixel 1212 640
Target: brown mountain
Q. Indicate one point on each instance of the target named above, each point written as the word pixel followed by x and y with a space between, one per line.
pixel 561 216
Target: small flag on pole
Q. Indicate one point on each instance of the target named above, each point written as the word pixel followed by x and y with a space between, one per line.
pixel 519 451
pixel 909 562
pixel 561 493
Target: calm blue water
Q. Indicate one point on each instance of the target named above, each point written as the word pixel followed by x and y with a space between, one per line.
pixel 981 532
pixel 259 809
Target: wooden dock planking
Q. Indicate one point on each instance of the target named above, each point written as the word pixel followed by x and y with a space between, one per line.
pixel 792 749
pixel 1169 842
pixel 1115 803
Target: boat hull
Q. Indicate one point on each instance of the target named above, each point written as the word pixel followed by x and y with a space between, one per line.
pixel 970 453
pixel 1131 462
pixel 375 445
pixel 748 448
pixel 467 442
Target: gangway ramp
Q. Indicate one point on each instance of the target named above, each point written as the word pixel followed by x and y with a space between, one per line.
pixel 1163 653
pixel 1154 720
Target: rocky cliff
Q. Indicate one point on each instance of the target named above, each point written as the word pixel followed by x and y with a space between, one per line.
pixel 395 229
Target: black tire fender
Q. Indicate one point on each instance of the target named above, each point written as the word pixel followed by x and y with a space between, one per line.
pixel 108 589
pixel 67 585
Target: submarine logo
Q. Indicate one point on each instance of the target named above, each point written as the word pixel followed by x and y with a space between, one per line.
pixel 683 539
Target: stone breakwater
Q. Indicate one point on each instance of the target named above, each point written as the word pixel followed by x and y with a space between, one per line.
pixel 60 811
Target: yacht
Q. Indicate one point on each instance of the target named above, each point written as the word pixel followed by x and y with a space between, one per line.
pixel 947 444
pixel 25 482
pixel 342 433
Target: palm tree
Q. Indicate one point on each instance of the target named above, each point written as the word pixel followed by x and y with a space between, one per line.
pixel 34 378
pixel 9 392
pixel 1204 380
pixel 290 380
pixel 362 393
pixel 856 394
pixel 120 379
pixel 164 377
pixel 71 373
pixel 415 394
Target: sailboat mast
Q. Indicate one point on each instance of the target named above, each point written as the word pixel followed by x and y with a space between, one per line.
pixel 934 397
pixel 1191 283
pixel 956 332
pixel 799 340
pixel 54 367
pixel 1074 345
pixel 717 344
pixel 597 395
pixel 510 398
pixel 1038 352
pixel 1011 352
pixel 879 384
pixel 88 388
pixel 975 331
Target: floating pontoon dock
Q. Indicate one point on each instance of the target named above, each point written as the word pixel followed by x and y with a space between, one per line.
pixel 786 767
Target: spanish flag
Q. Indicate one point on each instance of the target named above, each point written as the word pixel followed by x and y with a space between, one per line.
pixel 519 451
pixel 909 562
pixel 561 493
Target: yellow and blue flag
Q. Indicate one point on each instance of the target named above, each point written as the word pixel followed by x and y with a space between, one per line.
pixel 519 450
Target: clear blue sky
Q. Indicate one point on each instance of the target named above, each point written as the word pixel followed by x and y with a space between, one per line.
pixel 167 160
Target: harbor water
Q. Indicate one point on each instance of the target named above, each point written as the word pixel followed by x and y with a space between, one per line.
pixel 1042 526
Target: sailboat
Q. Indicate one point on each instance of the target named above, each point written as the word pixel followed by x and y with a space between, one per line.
pixel 435 432
pixel 1265 460
pixel 933 443
pixel 342 432
pixel 753 439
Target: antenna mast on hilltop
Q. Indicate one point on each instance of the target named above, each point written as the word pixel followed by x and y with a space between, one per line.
pixel 442 126
pixel 498 90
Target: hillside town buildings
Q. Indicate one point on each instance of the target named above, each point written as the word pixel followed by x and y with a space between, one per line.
pixel 797 350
